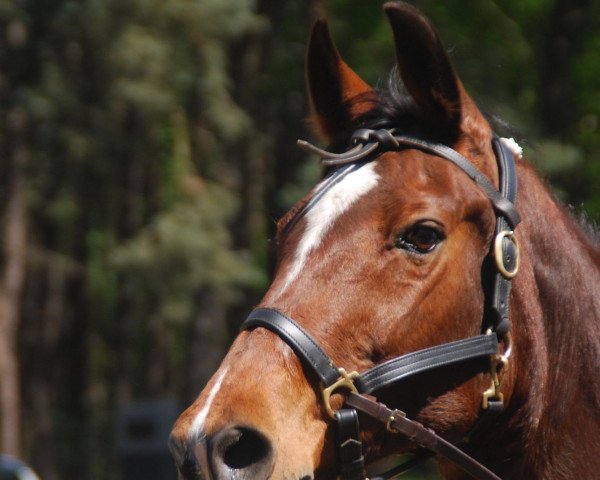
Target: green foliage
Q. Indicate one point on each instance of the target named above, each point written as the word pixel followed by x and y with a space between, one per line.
pixel 183 252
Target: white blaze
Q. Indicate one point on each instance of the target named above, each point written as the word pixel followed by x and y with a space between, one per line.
pixel 320 218
pixel 197 428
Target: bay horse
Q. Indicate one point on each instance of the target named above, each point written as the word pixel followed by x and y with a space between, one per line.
pixel 399 268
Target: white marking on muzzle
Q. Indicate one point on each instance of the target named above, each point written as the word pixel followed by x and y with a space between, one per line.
pixel 319 219
pixel 197 428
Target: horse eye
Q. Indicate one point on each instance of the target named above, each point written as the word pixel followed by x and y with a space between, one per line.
pixel 420 239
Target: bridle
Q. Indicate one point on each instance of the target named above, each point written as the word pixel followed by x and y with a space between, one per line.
pixel 367 145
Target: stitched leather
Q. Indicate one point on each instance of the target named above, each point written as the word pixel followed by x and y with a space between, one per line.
pixel 378 141
pixel 501 204
pixel 413 363
pixel 502 286
pixel 351 460
pixel 381 375
pixel 296 337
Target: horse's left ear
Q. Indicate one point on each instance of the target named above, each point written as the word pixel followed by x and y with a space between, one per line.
pixel 337 94
pixel 426 69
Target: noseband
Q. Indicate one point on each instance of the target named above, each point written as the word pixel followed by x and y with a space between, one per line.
pixel 367 145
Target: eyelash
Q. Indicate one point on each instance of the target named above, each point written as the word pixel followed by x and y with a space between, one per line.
pixel 421 238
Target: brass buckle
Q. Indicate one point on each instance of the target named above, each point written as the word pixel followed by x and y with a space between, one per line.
pixel 346 380
pixel 388 425
pixel 499 364
pixel 507 338
pixel 499 257
pixel 491 394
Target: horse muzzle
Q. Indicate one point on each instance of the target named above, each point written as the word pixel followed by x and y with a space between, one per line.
pixel 239 452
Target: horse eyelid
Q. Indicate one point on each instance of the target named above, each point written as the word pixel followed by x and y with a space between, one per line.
pixel 403 242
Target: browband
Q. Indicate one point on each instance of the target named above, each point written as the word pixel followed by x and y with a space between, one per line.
pixel 368 142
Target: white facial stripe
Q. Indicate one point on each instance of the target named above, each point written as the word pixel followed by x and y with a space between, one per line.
pixel 330 206
pixel 197 428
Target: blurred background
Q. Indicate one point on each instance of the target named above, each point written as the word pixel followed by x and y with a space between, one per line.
pixel 147 148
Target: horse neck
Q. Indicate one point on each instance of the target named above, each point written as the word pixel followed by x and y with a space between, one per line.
pixel 555 319
pixel 564 262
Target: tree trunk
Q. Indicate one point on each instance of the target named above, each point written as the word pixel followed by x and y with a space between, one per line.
pixel 567 29
pixel 11 286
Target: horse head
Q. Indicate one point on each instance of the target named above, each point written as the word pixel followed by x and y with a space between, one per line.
pixel 392 253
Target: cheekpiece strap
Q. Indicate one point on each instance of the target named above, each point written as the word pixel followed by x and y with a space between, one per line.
pixel 505 248
pixel 349 446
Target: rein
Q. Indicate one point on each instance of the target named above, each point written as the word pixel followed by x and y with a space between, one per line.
pixel 359 387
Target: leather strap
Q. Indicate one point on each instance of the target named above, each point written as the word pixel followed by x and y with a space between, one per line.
pixel 420 456
pixel 381 375
pixel 418 434
pixel 296 337
pixel 501 204
pixel 349 446
pixel 366 143
pixel 413 363
pixel 502 285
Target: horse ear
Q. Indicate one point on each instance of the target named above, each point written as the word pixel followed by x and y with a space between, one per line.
pixel 425 67
pixel 337 94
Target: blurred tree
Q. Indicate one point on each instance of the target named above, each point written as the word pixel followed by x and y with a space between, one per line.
pixel 15 155
pixel 128 117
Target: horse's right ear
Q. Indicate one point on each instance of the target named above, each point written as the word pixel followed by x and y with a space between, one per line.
pixel 337 94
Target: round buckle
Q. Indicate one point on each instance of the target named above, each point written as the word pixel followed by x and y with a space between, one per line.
pixel 499 253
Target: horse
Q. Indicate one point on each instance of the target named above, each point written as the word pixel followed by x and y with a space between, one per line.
pixel 463 311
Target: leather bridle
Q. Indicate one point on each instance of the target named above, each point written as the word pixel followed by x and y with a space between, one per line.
pixel 367 145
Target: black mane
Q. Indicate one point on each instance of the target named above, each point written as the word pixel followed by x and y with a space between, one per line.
pixel 395 109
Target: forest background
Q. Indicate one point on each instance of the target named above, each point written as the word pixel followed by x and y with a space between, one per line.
pixel 147 148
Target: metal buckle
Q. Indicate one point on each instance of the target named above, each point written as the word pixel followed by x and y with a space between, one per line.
pixel 346 380
pixel 507 338
pixel 499 253
pixel 388 425
pixel 499 364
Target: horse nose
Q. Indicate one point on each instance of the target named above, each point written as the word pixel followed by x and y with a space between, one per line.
pixel 240 453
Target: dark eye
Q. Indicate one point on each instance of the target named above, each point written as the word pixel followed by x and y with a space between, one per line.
pixel 420 238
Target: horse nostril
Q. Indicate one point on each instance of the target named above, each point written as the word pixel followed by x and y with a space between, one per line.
pixel 241 453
